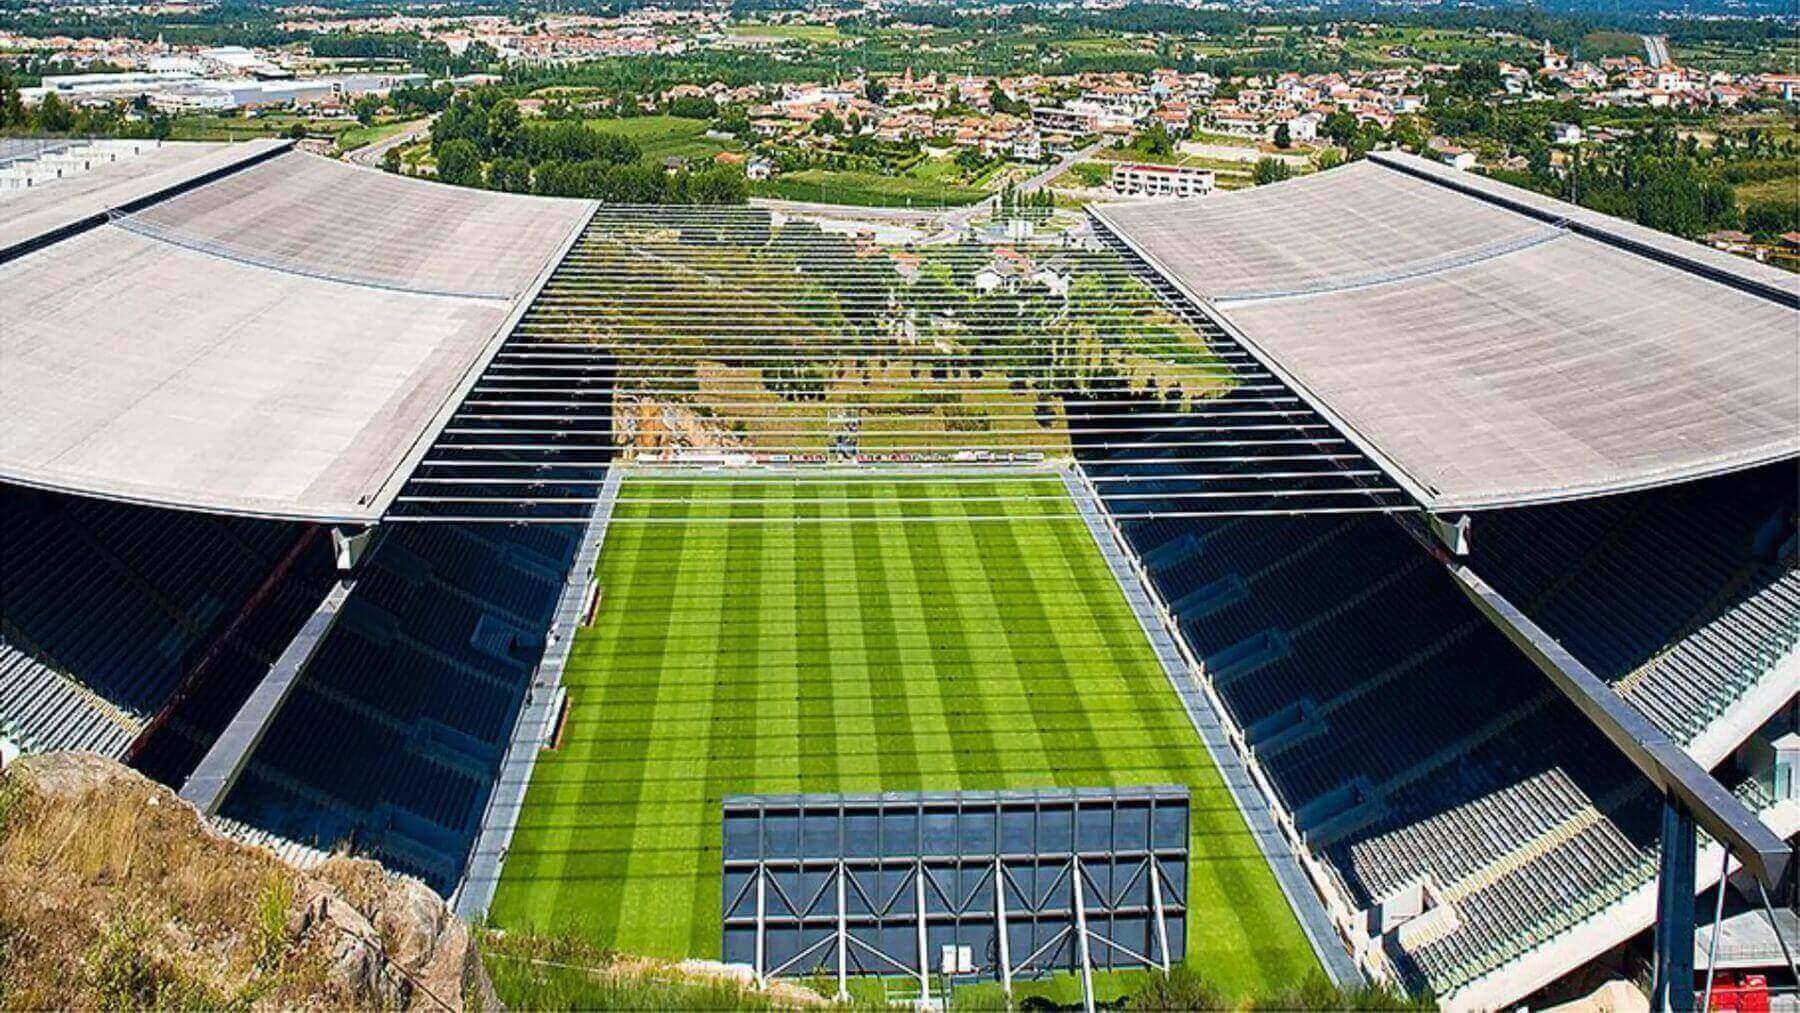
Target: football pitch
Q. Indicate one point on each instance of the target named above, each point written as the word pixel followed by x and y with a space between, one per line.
pixel 775 636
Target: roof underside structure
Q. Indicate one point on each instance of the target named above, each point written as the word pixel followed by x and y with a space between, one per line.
pixel 274 342
pixel 701 337
pixel 1489 347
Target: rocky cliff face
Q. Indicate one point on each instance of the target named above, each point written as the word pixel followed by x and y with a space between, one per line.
pixel 115 893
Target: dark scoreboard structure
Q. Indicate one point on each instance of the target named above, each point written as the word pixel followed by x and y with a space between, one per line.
pixel 997 885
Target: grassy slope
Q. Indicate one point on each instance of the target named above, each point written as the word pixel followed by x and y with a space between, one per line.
pixel 823 657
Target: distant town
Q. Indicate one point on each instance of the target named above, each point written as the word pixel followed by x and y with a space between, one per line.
pixel 900 107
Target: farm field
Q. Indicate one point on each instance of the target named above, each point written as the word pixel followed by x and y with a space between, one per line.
pixel 927 184
pixel 360 136
pixel 985 645
pixel 663 137
pixel 214 127
pixel 756 31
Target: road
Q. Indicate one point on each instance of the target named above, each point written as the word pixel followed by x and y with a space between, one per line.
pixel 370 155
pixel 961 217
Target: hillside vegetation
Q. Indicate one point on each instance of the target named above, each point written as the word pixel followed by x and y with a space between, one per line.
pixel 114 894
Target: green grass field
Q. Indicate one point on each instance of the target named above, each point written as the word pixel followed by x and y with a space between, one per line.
pixel 931 183
pixel 827 649
pixel 756 31
pixel 662 137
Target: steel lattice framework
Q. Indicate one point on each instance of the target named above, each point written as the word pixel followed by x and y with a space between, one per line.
pixel 1026 882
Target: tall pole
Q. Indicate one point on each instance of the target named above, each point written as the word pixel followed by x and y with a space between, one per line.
pixel 1156 905
pixel 761 922
pixel 924 956
pixel 843 937
pixel 1081 937
pixel 1712 948
pixel 1000 920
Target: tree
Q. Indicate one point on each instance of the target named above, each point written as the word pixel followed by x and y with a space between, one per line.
pixel 1270 169
pixel 12 107
pixel 693 107
pixel 1340 126
pixel 1768 218
pixel 53 115
pixel 298 130
pixel 1284 138
pixel 458 162
pixel 366 108
pixel 722 185
pixel 510 174
pixel 503 125
pixel 875 90
pixel 1155 140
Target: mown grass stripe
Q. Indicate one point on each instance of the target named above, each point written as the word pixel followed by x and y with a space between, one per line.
pixel 812 639
pixel 958 679
pixel 898 753
pixel 1010 574
pixel 729 731
pixel 613 768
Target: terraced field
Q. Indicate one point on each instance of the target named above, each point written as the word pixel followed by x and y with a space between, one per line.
pixel 826 635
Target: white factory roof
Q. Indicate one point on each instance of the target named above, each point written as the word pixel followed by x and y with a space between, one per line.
pixel 1488 346
pixel 279 342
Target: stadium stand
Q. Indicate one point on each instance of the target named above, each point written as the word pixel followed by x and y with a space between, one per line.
pixel 420 681
pixel 156 359
pixel 314 215
pixel 174 589
pixel 34 216
pixel 1409 742
pixel 1408 748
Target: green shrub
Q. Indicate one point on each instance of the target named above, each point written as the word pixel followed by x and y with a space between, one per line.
pixel 1181 989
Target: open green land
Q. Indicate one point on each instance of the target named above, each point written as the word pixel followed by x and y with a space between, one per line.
pixel 361 137
pixel 933 182
pixel 661 137
pixel 780 636
pixel 217 127
pixel 751 30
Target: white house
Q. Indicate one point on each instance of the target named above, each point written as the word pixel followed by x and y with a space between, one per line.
pixel 1161 180
pixel 1565 133
pixel 1304 128
pixel 1457 158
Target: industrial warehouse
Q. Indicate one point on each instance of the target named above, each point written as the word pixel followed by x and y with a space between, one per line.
pixel 1387 573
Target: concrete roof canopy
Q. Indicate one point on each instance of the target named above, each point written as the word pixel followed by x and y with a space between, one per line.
pixel 178 357
pixel 31 214
pixel 1492 352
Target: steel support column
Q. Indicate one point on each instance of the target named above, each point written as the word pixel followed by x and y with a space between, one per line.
pixel 1673 984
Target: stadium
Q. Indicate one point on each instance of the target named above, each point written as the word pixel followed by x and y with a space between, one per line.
pixel 1428 544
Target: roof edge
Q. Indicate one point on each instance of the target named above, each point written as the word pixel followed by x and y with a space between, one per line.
pixel 383 498
pixel 261 150
pixel 1642 483
pixel 1745 275
pixel 200 506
